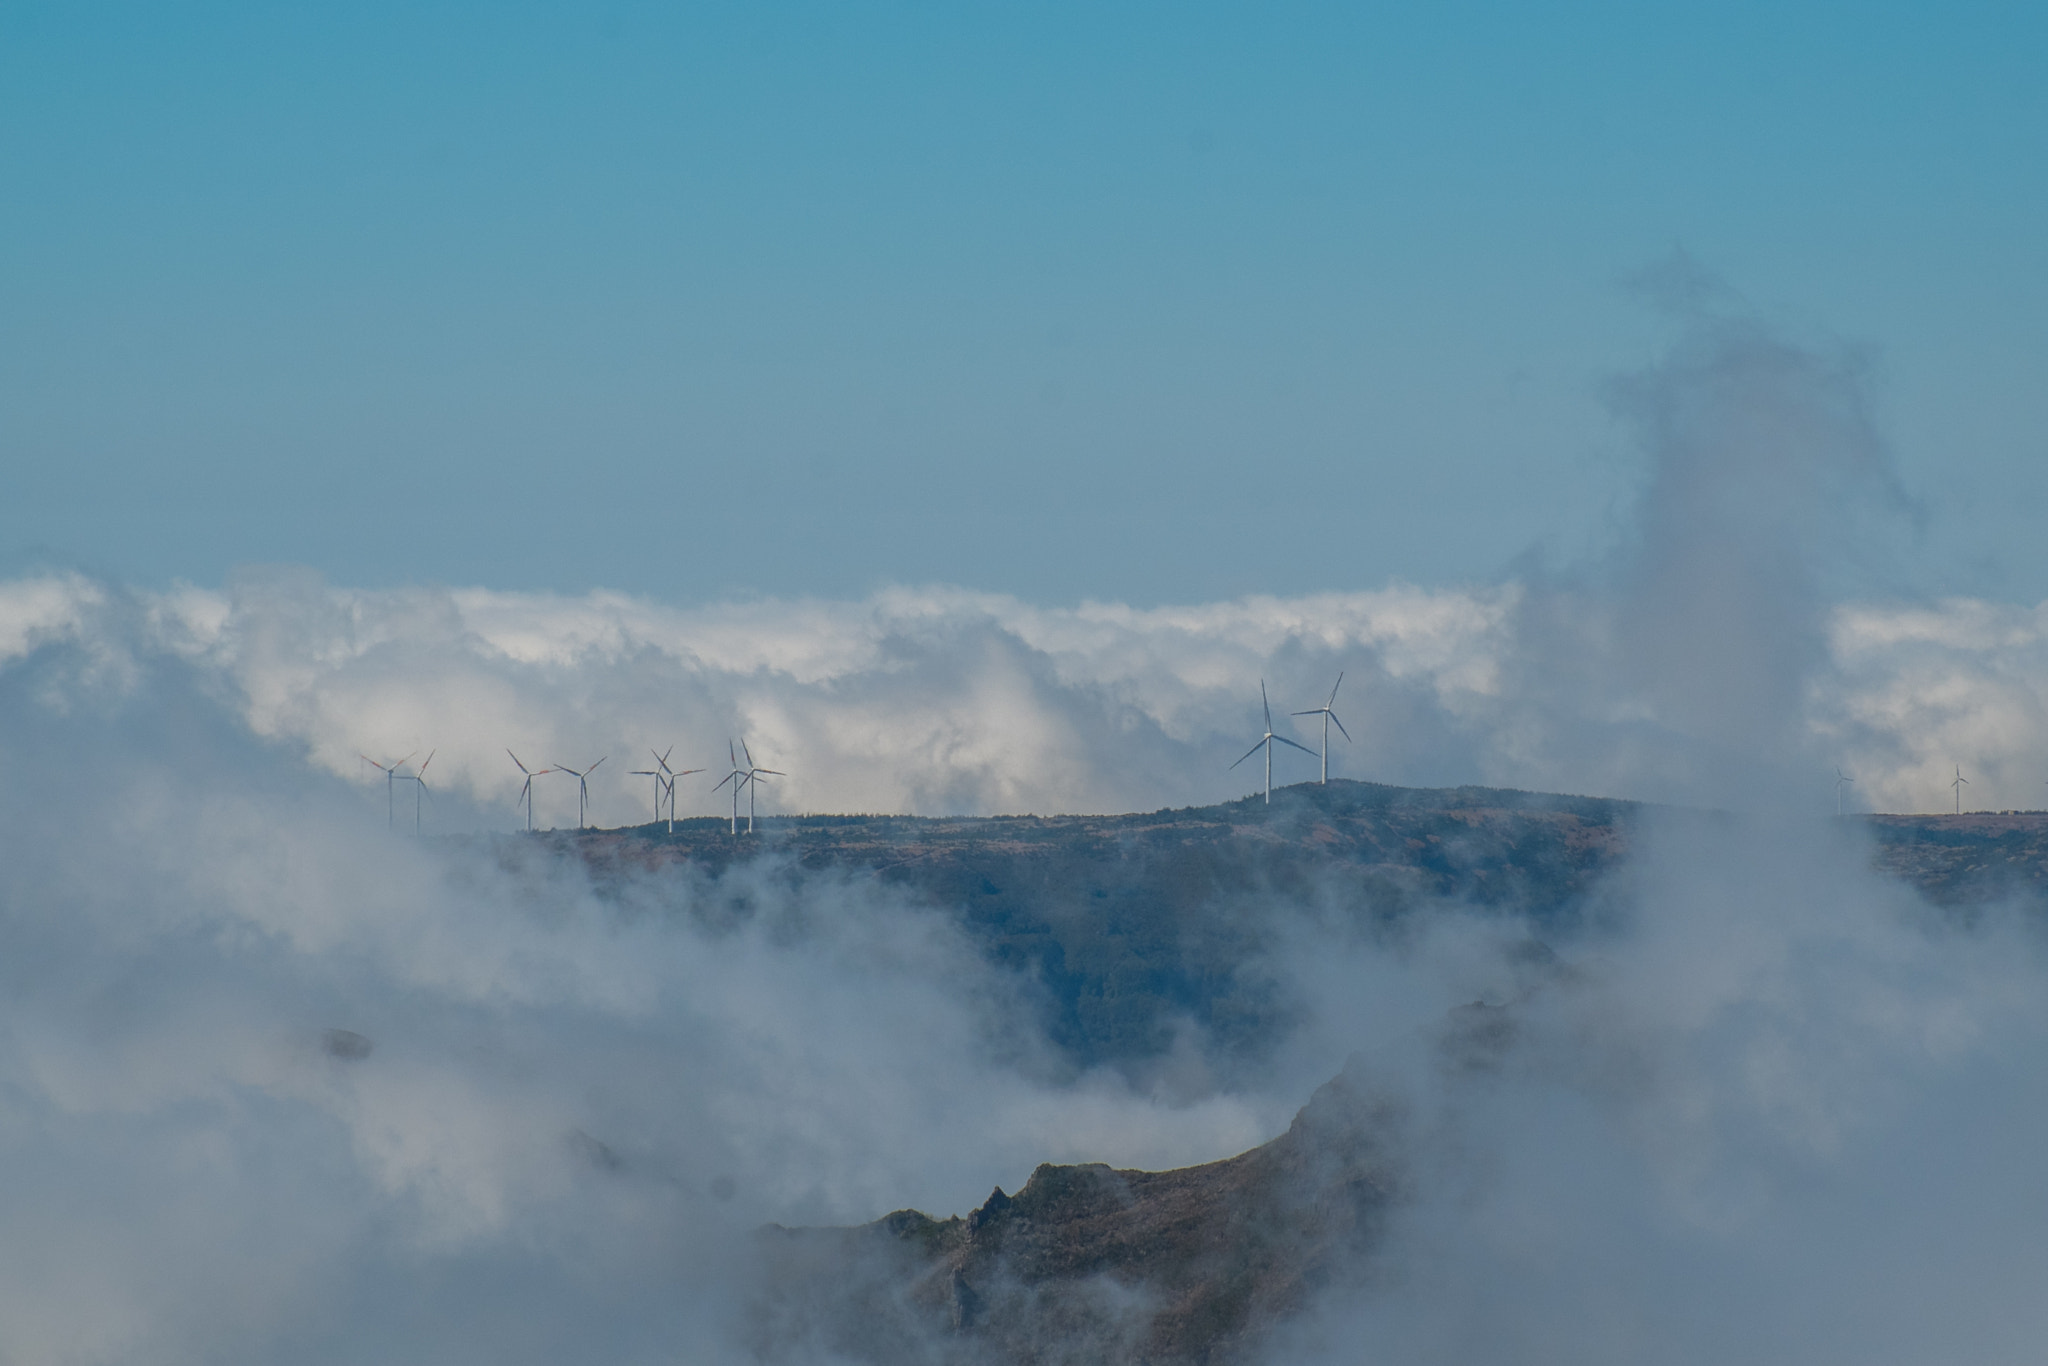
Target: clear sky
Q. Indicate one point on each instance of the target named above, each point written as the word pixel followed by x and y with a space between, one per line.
pixel 1139 301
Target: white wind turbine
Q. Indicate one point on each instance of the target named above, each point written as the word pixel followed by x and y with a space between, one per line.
pixel 1267 740
pixel 526 790
pixel 754 776
pixel 1959 784
pixel 739 778
pixel 673 774
pixel 419 778
pixel 661 785
pixel 1843 782
pixel 582 789
pixel 391 777
pixel 1328 716
pixel 664 782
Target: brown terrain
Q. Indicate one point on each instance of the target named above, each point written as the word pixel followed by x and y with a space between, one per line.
pixel 1967 859
pixel 1089 1264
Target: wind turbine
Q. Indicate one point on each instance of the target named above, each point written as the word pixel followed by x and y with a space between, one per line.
pixel 739 778
pixel 672 776
pixel 390 772
pixel 1959 784
pixel 1843 782
pixel 660 785
pixel 419 777
pixel 754 776
pixel 582 788
pixel 526 791
pixel 664 782
pixel 1267 740
pixel 1328 716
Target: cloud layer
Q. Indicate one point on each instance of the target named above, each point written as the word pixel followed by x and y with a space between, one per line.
pixel 936 701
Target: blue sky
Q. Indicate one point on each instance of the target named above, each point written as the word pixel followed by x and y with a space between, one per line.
pixel 1145 302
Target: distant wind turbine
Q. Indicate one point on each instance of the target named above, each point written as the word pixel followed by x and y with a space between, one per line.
pixel 672 776
pixel 1842 783
pixel 1267 740
pixel 391 776
pixel 754 776
pixel 664 783
pixel 419 777
pixel 660 786
pixel 526 790
pixel 1328 716
pixel 739 778
pixel 582 790
pixel 1959 784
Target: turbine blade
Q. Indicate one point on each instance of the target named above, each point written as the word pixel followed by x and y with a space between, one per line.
pixel 1285 741
pixel 1340 725
pixel 1333 689
pixel 685 773
pixel 1312 711
pixel 428 760
pixel 1264 704
pixel 1247 754
pixel 515 759
pixel 771 772
pixel 748 752
pixel 374 764
pixel 593 767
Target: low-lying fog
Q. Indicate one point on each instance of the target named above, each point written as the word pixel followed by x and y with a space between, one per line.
pixel 276 1084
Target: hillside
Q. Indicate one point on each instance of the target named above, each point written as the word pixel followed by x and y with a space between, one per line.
pixel 1127 924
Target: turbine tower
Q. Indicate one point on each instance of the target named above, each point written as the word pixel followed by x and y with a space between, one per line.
pixel 391 776
pixel 754 777
pixel 1959 784
pixel 1328 716
pixel 582 789
pixel 1267 740
pixel 526 791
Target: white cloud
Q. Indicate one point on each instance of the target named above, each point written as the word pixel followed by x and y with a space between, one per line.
pixel 940 701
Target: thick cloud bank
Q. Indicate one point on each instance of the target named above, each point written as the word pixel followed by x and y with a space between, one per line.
pixel 939 702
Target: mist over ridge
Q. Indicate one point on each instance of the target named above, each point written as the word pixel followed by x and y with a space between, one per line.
pixel 277 1082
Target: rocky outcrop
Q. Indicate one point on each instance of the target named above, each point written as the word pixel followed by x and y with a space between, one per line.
pixel 1091 1264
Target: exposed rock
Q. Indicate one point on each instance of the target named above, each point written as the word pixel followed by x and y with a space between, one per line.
pixel 1091 1264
